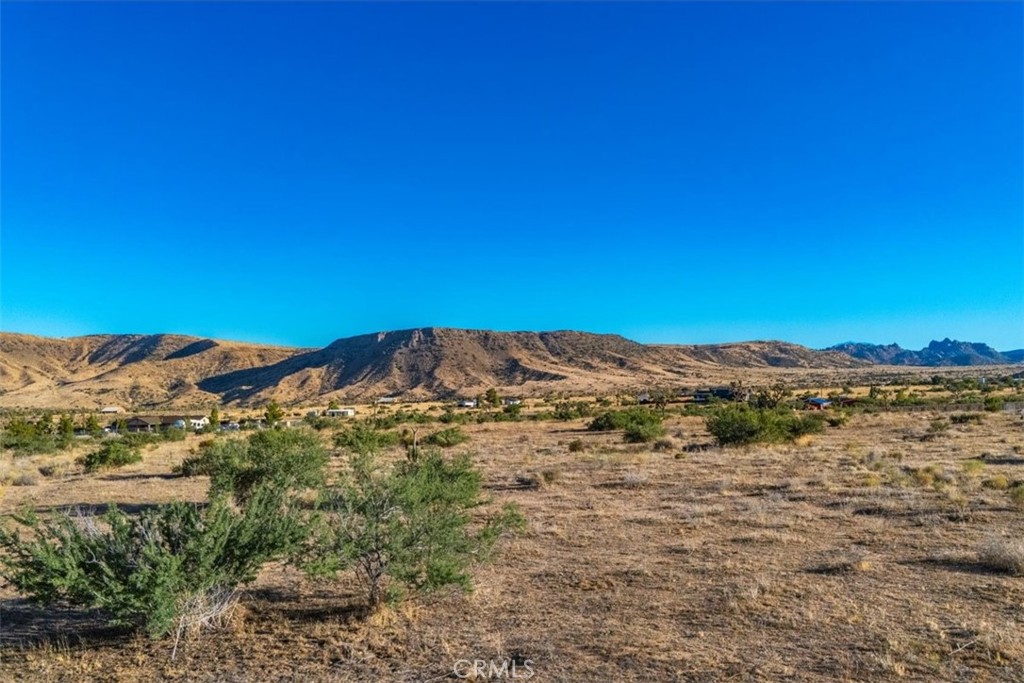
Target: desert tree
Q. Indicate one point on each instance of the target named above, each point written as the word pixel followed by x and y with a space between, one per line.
pixel 407 529
pixel 273 413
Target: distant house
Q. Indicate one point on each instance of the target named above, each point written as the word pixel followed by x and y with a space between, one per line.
pixel 341 412
pixel 511 401
pixel 156 423
pixel 387 400
pixel 846 401
pixel 816 403
pixel 722 393
pixel 143 424
pixel 109 410
pixel 467 403
pixel 644 398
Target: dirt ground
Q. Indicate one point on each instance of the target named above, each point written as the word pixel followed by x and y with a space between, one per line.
pixel 857 555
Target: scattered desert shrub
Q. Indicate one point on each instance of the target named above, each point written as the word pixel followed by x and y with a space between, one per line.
pixel 967 418
pixel 993 404
pixel 145 571
pixel 111 455
pixel 577 446
pixel 26 478
pixel 288 458
pixel 1003 555
pixel 621 419
pixel 446 438
pixel 363 438
pixel 739 425
pixel 572 410
pixel 1017 495
pixel 972 467
pixel 664 444
pixel 634 480
pixel 997 482
pixel 640 425
pixel 407 529
pixel 643 433
pixel 550 476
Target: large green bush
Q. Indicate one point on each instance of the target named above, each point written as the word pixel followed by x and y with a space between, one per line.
pixel 111 455
pixel 446 438
pixel 739 425
pixel 406 529
pixel 641 425
pixel 288 458
pixel 364 438
pixel 158 571
pixel 643 432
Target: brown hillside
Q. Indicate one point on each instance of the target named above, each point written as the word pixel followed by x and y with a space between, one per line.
pixel 143 371
pixel 128 370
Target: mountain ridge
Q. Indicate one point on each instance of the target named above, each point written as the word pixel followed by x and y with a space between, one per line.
pixel 419 363
pixel 429 362
pixel 945 353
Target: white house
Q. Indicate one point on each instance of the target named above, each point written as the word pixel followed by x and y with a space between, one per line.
pixel 341 412
pixel 111 409
pixel 193 423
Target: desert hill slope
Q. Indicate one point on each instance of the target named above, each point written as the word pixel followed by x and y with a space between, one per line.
pixel 149 371
pixel 129 369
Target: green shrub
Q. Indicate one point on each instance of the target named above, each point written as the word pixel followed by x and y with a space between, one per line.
pixel 155 571
pixel 27 438
pixel 572 410
pixel 966 418
pixel 640 425
pixel 993 404
pixel 407 529
pixel 287 458
pixel 1017 495
pixel 111 455
pixel 739 425
pixel 363 438
pixel 643 433
pixel 446 438
pixel 621 419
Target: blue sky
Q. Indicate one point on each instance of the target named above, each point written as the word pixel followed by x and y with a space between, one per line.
pixel 673 172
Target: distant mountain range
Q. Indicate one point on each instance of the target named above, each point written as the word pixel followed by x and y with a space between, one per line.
pixel 947 352
pixel 174 370
pixel 165 370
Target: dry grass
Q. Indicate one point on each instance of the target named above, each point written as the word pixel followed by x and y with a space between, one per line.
pixel 1003 555
pixel 827 561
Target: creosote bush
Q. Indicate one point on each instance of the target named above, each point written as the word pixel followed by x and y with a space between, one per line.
pixel 640 425
pixel 289 458
pixel 364 438
pixel 446 438
pixel 111 455
pixel 407 529
pixel 145 571
pixel 739 425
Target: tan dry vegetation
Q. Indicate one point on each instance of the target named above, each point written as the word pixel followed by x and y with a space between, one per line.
pixel 826 561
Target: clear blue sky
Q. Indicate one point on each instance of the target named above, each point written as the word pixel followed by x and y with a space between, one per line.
pixel 678 172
